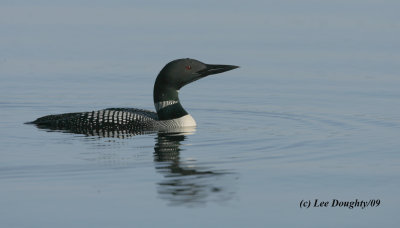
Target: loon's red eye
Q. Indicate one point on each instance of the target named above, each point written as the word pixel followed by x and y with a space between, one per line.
pixel 188 67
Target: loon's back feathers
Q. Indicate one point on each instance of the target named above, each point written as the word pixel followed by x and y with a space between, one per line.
pixel 170 113
pixel 111 119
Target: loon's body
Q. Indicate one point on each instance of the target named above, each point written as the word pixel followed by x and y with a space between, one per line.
pixel 169 111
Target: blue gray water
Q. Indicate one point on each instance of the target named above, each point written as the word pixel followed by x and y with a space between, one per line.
pixel 313 113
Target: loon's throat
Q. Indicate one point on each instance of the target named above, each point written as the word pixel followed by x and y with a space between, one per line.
pixel 168 110
pixel 166 102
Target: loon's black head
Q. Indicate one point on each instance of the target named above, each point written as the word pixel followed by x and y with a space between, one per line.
pixel 174 76
pixel 181 72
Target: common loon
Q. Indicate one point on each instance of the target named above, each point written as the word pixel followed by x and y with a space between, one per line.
pixel 169 111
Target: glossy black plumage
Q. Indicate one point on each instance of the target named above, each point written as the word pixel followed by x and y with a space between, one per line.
pixel 171 78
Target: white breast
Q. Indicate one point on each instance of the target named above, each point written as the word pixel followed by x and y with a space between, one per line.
pixel 184 121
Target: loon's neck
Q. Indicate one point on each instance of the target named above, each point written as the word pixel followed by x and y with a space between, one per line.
pixel 166 102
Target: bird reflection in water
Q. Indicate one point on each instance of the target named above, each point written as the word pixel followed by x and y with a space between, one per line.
pixel 185 182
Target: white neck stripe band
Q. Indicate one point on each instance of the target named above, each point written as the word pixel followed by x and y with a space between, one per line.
pixel 162 104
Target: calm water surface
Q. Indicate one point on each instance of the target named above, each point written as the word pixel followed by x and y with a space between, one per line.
pixel 313 113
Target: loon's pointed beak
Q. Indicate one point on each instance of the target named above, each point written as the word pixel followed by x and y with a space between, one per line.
pixel 215 69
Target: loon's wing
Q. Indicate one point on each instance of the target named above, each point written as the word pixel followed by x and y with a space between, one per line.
pixel 112 119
